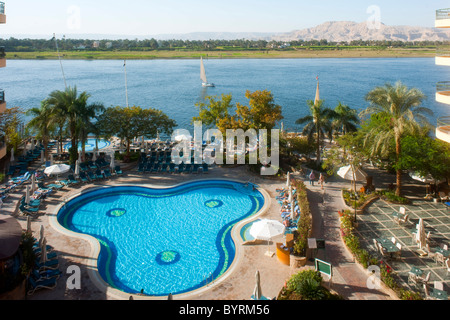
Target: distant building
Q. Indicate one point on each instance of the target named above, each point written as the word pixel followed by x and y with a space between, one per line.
pixel 108 45
pixel 96 44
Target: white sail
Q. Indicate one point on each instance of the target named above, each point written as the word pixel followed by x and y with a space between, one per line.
pixel 202 71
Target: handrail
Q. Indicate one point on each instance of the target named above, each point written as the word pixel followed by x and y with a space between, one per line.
pixel 443 14
pixel 2 8
pixel 443 121
pixel 443 86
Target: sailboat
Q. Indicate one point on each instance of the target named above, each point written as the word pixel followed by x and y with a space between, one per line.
pixel 203 75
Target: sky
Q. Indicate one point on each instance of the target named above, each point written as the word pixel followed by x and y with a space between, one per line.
pixel 152 17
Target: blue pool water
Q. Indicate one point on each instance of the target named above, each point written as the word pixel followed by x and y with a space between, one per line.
pixel 163 241
pixel 90 145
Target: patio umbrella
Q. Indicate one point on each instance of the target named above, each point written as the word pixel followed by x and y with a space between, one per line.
pixel 428 179
pixel 112 164
pixel 12 155
pixel 44 251
pixel 51 159
pixel 77 168
pixel 257 293
pixel 182 137
pixel 290 195
pixel 33 182
pixel 27 195
pixel 94 156
pixel 292 211
pixel 42 156
pixel 421 236
pixel 348 173
pixel 57 169
pixel 288 180
pixel 41 235
pixel 265 230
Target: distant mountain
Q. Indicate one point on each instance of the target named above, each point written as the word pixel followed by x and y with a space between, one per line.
pixel 332 31
pixel 338 31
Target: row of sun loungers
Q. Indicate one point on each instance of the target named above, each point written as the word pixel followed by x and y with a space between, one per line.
pixel 283 200
pixel 172 168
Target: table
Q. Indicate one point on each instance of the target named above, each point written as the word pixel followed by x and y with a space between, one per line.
pixel 388 245
pixel 414 274
pixel 438 294
pixel 445 253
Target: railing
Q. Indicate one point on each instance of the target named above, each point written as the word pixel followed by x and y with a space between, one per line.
pixel 443 86
pixel 2 95
pixel 444 122
pixel 2 8
pixel 443 14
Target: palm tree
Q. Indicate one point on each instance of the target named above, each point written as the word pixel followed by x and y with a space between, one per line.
pixel 346 119
pixel 69 104
pixel 43 122
pixel 317 124
pixel 85 115
pixel 401 106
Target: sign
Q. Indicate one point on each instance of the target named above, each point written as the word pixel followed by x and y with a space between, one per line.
pixel 324 267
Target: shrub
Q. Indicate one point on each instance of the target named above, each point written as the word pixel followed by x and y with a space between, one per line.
pixel 304 225
pixel 306 285
pixel 392 197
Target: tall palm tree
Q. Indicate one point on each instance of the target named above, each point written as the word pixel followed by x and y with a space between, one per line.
pixel 346 119
pixel 85 115
pixel 317 124
pixel 402 107
pixel 43 123
pixel 69 104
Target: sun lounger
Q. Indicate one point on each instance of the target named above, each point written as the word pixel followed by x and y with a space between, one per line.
pixel 83 177
pixel 72 179
pixel 55 186
pixel 107 173
pixel 99 174
pixel 42 284
pixel 205 168
pixel 118 170
pixel 91 176
pixel 32 203
pixel 45 275
pixel 29 210
pixel 52 264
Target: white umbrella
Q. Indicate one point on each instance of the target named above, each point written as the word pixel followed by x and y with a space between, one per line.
pixel 182 137
pixel 51 159
pixel 44 251
pixel 12 154
pixel 77 168
pixel 348 173
pixel 266 229
pixel 257 293
pixel 41 235
pixel 421 236
pixel 27 195
pixel 112 164
pixel 33 182
pixel 94 156
pixel 42 156
pixel 57 169
pixel 288 180
pixel 292 211
pixel 290 195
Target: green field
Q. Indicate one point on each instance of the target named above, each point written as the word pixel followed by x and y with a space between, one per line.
pixel 228 54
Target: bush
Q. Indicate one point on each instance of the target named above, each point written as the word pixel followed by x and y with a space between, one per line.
pixel 306 285
pixel 392 197
pixel 304 225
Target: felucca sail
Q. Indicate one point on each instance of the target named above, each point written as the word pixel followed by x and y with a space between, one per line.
pixel 202 71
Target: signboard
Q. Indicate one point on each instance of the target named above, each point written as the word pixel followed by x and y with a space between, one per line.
pixel 324 267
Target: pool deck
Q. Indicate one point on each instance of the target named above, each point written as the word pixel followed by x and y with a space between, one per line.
pixel 349 279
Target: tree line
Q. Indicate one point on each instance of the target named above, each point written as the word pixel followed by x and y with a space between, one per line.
pixel 32 45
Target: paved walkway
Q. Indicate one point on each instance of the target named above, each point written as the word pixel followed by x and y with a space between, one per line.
pixel 349 278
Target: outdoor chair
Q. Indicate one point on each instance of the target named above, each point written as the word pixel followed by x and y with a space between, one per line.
pixel 404 220
pixel 447 265
pixel 118 170
pixel 398 254
pixel 41 284
pixel 91 176
pixel 424 279
pixel 439 258
pixel 99 175
pixel 427 293
pixel 107 173
pixel 83 177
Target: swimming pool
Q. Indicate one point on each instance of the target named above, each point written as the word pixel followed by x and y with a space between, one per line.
pixel 162 241
pixel 90 145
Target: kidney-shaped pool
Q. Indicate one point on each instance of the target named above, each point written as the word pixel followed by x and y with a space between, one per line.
pixel 162 241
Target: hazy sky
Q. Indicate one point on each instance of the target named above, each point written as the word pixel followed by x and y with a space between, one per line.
pixel 150 17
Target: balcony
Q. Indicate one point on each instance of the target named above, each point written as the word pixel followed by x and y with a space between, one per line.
pixel 443 56
pixel 443 129
pixel 2 13
pixel 2 101
pixel 442 18
pixel 443 92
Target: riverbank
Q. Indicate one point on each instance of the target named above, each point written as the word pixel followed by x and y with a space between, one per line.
pixel 266 54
